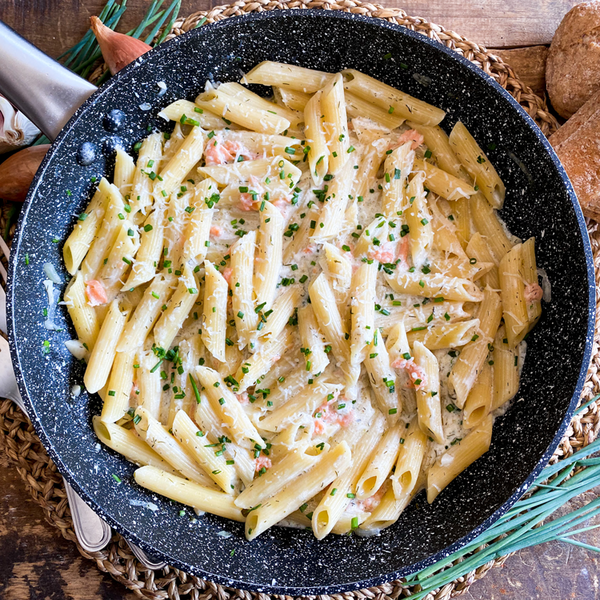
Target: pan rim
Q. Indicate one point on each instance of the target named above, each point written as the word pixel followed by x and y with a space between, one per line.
pixel 320 589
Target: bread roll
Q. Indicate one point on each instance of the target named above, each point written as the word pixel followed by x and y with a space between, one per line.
pixel 577 144
pixel 573 67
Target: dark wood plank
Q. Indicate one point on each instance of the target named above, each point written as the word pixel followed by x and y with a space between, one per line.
pixel 36 562
pixel 493 23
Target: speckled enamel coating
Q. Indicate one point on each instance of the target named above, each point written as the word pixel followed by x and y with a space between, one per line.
pixel 539 201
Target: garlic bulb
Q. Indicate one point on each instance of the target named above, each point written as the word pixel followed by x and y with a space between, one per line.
pixel 15 128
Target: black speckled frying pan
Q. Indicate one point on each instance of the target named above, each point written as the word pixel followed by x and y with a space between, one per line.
pixel 539 201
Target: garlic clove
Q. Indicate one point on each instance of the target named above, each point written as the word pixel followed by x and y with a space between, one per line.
pixel 18 170
pixel 117 49
pixel 15 128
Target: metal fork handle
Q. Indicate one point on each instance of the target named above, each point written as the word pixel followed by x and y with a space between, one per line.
pixel 92 532
pixel 41 88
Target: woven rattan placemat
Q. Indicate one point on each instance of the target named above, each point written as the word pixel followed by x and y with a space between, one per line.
pixel 25 452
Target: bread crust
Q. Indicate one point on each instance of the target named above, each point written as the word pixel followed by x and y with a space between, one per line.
pixel 573 67
pixel 577 144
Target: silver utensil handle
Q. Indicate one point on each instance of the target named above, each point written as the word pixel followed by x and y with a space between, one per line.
pixel 92 532
pixel 147 561
pixel 42 89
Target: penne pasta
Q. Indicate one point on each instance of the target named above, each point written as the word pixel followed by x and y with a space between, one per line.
pixel 82 314
pixel 88 223
pixel 287 76
pixel 189 493
pixel 128 443
pixel 442 183
pixel 480 398
pixel 241 112
pixel 118 391
pixel 302 489
pixel 477 164
pixel 312 341
pixel 214 315
pixel 418 219
pixel 103 353
pixel 268 261
pixel 387 97
pixel 514 307
pixel 455 460
pixel 334 122
pixel 429 409
pixel 436 286
pixel 468 366
pixel 314 129
pixel 505 371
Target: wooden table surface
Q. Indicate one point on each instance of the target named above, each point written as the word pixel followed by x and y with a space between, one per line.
pixel 36 563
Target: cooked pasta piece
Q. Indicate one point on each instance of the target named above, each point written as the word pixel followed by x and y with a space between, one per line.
pixel 88 223
pixel 387 97
pixel 287 76
pixel 186 112
pixel 118 391
pixel 362 310
pixel 178 307
pixel 383 378
pixel 164 444
pixel 477 164
pixel 466 369
pixel 380 464
pixel 342 491
pixel 506 370
pixel 312 340
pixel 82 314
pixel 268 256
pixel 479 400
pixel 214 315
pixel 242 268
pixel 328 317
pixel 146 313
pixel 418 219
pixel 240 112
pixel 427 385
pixel 398 166
pixel 436 285
pixel 189 493
pixel 444 335
pixel 455 460
pixel 129 444
pixel 442 183
pixel 514 306
pixel 103 355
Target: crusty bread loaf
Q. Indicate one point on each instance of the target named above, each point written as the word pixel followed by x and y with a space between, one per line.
pixel 577 144
pixel 573 67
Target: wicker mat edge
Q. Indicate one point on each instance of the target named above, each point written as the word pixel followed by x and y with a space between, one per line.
pixel 24 451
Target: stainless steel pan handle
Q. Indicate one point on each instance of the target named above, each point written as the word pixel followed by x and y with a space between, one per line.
pixel 42 89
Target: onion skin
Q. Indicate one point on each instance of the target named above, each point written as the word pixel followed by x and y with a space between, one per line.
pixel 17 172
pixel 117 49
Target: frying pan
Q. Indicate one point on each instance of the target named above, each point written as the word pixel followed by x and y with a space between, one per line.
pixel 540 202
